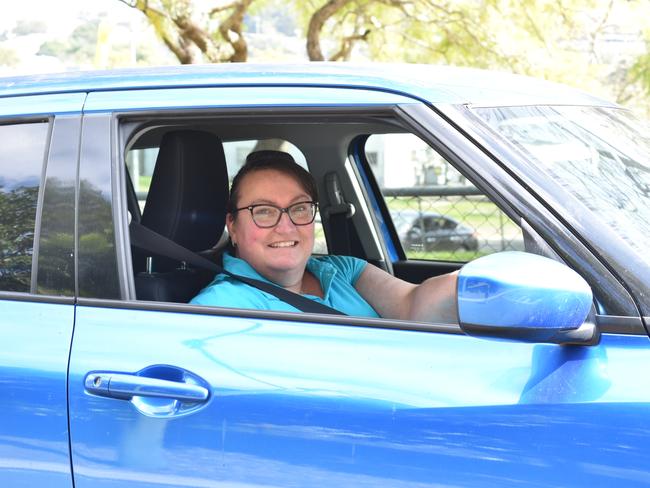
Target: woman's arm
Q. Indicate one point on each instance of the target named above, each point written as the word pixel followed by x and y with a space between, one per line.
pixel 434 300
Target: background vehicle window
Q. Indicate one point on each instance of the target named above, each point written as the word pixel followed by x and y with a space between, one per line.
pixel 437 213
pixel 21 161
pixel 141 162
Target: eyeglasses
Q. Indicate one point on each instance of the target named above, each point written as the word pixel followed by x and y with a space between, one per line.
pixel 266 215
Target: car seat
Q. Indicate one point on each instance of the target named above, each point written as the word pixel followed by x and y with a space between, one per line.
pixel 186 203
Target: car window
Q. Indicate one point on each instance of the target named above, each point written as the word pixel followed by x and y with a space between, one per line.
pixel 21 161
pixel 141 163
pixel 599 155
pixel 423 191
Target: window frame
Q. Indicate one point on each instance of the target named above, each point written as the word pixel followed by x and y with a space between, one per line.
pixel 124 126
pixel 454 146
pixel 544 232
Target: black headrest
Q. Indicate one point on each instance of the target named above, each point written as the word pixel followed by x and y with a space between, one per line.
pixel 189 190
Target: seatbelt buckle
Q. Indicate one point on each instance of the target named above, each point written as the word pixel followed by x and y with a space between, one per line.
pixel 347 209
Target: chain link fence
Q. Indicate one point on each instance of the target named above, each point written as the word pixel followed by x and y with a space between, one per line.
pixel 450 223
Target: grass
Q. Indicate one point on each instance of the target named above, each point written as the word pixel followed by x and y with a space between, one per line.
pixel 144 182
pixel 460 255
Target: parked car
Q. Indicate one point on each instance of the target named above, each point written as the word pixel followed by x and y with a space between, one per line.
pixel 431 231
pixel 110 378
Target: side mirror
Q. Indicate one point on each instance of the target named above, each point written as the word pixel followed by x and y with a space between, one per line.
pixel 520 296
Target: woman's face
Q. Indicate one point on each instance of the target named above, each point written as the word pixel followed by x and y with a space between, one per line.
pixel 278 253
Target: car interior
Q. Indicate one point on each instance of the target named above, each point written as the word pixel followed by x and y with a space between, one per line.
pixel 186 198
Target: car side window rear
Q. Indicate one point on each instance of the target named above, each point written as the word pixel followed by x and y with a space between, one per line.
pixel 438 214
pixel 22 154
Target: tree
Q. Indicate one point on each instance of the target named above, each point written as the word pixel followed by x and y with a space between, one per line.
pixel 636 79
pixel 8 57
pixel 187 31
pixel 78 49
pixel 485 33
pixel 561 40
pixel 17 216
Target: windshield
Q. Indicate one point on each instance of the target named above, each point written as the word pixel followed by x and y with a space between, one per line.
pixel 600 155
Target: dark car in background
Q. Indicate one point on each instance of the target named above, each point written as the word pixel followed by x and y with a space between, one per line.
pixel 431 231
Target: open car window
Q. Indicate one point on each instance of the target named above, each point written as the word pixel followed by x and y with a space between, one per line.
pixel 438 214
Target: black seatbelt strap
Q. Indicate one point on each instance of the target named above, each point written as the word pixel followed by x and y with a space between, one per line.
pixel 149 240
pixel 338 214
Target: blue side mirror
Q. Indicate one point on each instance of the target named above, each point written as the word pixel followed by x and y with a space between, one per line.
pixel 516 295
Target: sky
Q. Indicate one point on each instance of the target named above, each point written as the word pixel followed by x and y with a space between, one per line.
pixel 61 18
pixel 61 15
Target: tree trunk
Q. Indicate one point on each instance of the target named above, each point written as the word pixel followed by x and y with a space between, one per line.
pixel 231 31
pixel 316 23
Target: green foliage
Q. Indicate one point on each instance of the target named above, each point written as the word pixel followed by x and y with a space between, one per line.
pixel 79 48
pixel 8 57
pixel 559 40
pixel 17 216
pixel 640 70
pixel 97 261
pixel 56 251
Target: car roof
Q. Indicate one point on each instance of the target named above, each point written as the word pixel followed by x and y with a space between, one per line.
pixel 410 213
pixel 429 83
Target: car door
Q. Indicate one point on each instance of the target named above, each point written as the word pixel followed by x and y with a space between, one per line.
pixel 170 394
pixel 38 163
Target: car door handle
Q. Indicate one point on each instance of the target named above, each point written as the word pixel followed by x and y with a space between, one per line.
pixel 126 386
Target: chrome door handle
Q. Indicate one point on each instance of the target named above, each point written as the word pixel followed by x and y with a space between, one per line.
pixel 126 386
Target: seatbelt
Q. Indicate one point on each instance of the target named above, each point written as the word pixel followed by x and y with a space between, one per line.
pixel 149 240
pixel 337 213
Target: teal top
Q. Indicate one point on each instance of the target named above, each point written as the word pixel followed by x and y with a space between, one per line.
pixel 337 276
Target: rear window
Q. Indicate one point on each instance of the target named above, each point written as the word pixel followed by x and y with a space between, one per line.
pixel 22 154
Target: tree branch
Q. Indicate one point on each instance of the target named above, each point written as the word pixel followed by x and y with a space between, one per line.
pixel 316 23
pixel 596 32
pixel 231 31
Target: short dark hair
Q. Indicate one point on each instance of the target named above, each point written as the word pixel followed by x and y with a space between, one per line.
pixel 273 160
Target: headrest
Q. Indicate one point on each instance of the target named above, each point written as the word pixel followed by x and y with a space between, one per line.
pixel 189 190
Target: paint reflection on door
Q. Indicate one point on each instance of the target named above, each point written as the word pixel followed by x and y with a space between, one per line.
pixel 314 405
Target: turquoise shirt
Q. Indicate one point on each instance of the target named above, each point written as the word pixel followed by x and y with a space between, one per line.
pixel 337 276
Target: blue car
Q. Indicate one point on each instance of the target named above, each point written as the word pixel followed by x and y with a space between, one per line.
pixel 109 378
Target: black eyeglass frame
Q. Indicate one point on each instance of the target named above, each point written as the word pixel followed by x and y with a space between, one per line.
pixel 250 208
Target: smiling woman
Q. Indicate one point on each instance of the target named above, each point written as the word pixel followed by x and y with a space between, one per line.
pixel 267 246
pixel 264 245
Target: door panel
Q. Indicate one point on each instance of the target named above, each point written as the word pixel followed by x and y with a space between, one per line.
pixel 416 271
pixel 36 286
pixel 34 447
pixel 300 404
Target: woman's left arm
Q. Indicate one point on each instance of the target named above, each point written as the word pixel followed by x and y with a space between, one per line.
pixel 434 300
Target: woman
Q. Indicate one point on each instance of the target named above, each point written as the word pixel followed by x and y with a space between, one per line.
pixel 270 221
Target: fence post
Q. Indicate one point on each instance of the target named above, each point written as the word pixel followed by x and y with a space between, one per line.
pixel 503 239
